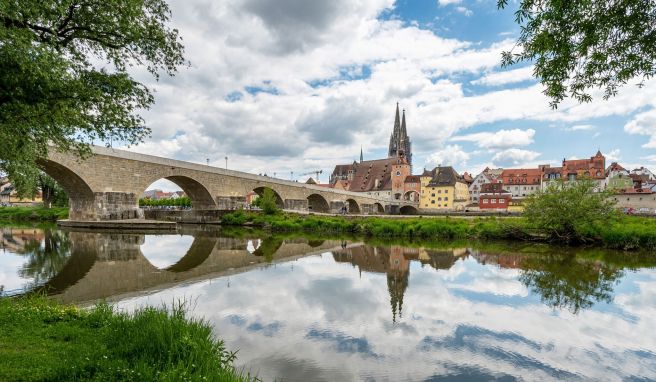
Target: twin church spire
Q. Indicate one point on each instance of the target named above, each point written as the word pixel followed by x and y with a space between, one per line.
pixel 399 145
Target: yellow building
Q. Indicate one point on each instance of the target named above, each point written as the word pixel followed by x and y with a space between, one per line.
pixel 443 189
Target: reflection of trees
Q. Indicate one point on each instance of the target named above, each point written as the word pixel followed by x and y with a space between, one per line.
pixel 268 247
pixel 45 261
pixel 568 282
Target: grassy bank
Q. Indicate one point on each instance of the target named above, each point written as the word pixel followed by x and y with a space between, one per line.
pixel 626 232
pixel 43 340
pixel 17 214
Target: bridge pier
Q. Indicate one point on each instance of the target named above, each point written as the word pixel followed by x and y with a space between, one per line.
pixel 105 206
pixel 296 204
pixel 336 206
pixel 230 202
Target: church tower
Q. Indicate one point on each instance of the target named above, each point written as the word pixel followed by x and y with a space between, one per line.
pixel 400 145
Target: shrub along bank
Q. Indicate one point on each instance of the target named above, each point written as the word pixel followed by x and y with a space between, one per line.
pixel 11 214
pixel 623 232
pixel 44 341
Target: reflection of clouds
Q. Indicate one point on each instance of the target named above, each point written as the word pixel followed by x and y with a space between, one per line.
pixel 329 319
pixel 165 250
pixel 10 264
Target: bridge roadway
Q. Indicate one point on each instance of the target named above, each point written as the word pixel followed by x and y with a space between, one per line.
pixel 112 265
pixel 108 185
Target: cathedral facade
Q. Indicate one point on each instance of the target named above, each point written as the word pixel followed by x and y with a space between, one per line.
pixel 380 177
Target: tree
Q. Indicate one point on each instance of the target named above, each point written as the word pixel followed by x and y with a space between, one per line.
pixel 580 45
pixel 53 95
pixel 569 211
pixel 267 202
pixel 51 192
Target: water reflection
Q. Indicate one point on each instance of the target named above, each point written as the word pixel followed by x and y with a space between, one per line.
pixel 303 309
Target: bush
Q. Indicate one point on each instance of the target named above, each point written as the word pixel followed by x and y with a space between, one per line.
pixel 570 212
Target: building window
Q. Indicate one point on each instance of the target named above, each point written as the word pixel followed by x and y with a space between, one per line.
pixel 440 199
pixel 439 191
pixel 484 200
pixel 501 201
pixel 446 198
pixel 398 173
pixel 494 201
pixel 432 202
pixel 432 195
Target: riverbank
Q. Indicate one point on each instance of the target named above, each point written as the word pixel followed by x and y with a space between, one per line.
pixel 625 232
pixel 43 340
pixel 32 214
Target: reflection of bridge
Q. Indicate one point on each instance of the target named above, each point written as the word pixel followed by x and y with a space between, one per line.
pixel 110 264
pixel 107 186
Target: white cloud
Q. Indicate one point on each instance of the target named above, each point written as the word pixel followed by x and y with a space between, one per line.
pixel 644 124
pixel 515 157
pixel 499 139
pixel 506 77
pixel 581 127
pixel 464 10
pixel 444 3
pixel 613 155
pixel 451 155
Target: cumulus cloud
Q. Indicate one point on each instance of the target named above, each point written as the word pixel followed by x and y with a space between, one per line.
pixel 514 158
pixel 613 155
pixel 451 155
pixel 644 124
pixel 499 139
pixel 465 11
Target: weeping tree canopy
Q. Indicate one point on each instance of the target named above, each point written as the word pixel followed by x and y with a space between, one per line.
pixel 578 46
pixel 53 90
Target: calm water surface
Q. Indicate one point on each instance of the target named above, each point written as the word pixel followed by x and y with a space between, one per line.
pixel 307 309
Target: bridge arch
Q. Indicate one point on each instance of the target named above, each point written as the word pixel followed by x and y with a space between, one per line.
pixel 378 208
pixel 279 200
pixel 408 210
pixel 317 203
pixel 353 206
pixel 81 197
pixel 198 193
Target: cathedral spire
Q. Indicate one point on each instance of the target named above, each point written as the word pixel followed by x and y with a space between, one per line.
pixel 361 156
pixel 404 133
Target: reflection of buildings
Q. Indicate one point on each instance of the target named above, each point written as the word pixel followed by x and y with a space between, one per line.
pixel 394 261
pixel 16 239
pixel 503 260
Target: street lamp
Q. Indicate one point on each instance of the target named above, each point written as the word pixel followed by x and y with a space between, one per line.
pixel 226 159
pixel 292 176
pixel 208 161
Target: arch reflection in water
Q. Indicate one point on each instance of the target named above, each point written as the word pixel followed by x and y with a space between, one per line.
pixel 99 265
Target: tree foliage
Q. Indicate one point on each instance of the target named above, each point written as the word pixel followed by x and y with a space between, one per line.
pixel 570 211
pixel 53 92
pixel 581 45
pixel 183 201
pixel 52 194
pixel 267 202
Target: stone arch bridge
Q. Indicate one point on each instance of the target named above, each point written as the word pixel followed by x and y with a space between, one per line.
pixel 108 185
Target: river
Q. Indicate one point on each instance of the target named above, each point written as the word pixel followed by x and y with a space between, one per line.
pixel 303 308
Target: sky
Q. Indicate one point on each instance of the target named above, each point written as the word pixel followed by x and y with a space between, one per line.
pixel 296 85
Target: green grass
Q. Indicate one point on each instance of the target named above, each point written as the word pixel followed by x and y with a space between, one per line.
pixel 626 233
pixel 12 214
pixel 44 341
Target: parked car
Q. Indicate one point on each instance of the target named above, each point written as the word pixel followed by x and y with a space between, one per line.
pixel 628 211
pixel 645 211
